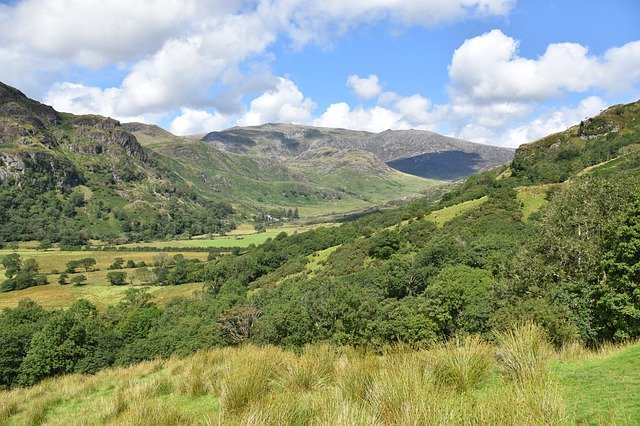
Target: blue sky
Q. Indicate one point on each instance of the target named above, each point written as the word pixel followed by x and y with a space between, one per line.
pixel 494 71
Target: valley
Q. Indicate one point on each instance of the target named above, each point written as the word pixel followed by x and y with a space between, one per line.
pixel 324 257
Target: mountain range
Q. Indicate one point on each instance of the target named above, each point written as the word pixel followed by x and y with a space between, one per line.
pixel 118 173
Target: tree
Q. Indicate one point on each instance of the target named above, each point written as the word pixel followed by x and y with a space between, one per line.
pixel 143 275
pixel 617 303
pixel 464 296
pixel 79 280
pixel 117 278
pixel 237 323
pixel 130 264
pixel 117 263
pixel 30 265
pixel 88 263
pixel 12 263
pixel 72 265
pixel 63 279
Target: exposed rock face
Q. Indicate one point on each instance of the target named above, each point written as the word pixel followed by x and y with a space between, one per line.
pixel 44 113
pixel 98 134
pixel 21 165
pixel 24 121
pixel 417 152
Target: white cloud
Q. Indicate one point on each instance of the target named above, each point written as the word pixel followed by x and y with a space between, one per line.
pixel 415 109
pixel 487 68
pixel 365 87
pixel 80 99
pixel 192 121
pixel 376 119
pixel 94 32
pixel 285 103
pixel 308 21
pixel 552 122
pixel 180 54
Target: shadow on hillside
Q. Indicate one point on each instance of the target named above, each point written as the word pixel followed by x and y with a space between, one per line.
pixel 445 165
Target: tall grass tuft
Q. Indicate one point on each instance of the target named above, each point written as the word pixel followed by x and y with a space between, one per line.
pixel 314 368
pixel 8 409
pixel 515 403
pixel 357 374
pixel 249 376
pixel 524 352
pixel 462 364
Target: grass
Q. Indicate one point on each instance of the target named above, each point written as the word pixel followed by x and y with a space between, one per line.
pixel 58 296
pixel 235 239
pixel 603 388
pixel 51 260
pixel 98 289
pixel 442 216
pixel 456 383
pixel 532 199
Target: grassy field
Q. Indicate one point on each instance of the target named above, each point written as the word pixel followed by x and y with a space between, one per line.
pixel 518 381
pixel 442 216
pixel 461 382
pixel 51 260
pixel 235 239
pixel 59 296
pixel 532 199
pixel 603 389
pixel 98 289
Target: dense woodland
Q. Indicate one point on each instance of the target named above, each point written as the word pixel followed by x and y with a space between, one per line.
pixel 392 277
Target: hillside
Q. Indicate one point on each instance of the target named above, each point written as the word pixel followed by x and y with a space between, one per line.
pixel 420 153
pixel 69 178
pixel 500 249
pixel 318 182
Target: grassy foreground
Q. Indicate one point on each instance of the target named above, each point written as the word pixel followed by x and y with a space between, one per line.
pixel 463 382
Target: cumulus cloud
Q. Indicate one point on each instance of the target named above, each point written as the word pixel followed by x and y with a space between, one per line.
pixel 93 32
pixel 192 121
pixel 376 119
pixel 552 122
pixel 285 103
pixel 307 21
pixel 80 99
pixel 365 87
pixel 488 68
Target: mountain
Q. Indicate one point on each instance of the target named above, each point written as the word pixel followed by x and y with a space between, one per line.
pixel 320 181
pixel 64 176
pixel 416 152
pixel 89 176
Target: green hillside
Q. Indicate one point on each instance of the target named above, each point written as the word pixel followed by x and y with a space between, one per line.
pixel 323 182
pixel 67 179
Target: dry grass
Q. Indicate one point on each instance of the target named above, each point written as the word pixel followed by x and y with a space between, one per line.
pixel 59 296
pixel 457 383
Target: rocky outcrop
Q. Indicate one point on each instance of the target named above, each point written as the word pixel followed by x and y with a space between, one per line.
pixel 46 114
pixel 41 168
pixel 96 135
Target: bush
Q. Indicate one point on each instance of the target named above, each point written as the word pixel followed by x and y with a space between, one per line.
pixel 117 278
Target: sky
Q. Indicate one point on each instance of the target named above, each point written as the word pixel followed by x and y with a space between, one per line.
pixel 502 72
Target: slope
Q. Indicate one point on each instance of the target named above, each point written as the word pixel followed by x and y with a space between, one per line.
pixel 421 153
pixel 68 177
pixel 318 182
